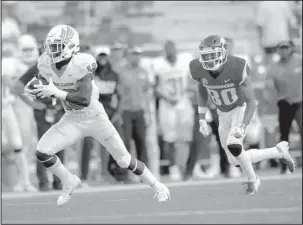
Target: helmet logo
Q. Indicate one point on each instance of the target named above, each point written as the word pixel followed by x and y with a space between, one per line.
pixel 66 34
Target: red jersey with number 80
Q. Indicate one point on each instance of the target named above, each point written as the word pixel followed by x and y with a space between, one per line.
pixel 224 90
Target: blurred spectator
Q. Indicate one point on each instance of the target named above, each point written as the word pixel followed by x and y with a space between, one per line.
pixel 152 143
pixel 11 133
pixel 45 115
pixel 107 80
pixel 117 58
pixel 199 142
pixel 175 109
pixel 273 20
pixel 284 85
pixel 85 49
pixel 10 30
pixel 24 57
pixel 27 55
pixel 133 87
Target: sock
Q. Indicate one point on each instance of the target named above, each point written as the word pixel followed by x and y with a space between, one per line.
pixel 22 164
pixel 140 169
pixel 246 165
pixel 60 170
pixel 258 155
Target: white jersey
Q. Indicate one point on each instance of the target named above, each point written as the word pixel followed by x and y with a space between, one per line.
pixel 173 79
pixel 80 65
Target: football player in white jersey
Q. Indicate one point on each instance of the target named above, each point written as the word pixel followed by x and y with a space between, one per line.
pixel 70 77
pixel 11 131
pixel 175 109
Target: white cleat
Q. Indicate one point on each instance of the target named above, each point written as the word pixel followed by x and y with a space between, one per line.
pixel 68 188
pixel 162 193
pixel 251 187
pixel 283 147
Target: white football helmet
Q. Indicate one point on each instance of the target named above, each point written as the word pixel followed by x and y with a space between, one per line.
pixel 61 43
pixel 29 49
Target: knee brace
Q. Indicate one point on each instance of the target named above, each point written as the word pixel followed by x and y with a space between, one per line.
pixel 235 149
pixel 46 159
pixel 131 164
pixel 136 166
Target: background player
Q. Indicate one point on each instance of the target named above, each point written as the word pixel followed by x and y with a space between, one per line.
pixel 225 79
pixel 175 110
pixel 69 74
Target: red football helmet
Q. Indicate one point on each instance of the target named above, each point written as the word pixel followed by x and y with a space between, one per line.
pixel 213 52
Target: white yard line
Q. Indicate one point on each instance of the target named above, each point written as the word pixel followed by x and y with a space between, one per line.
pixel 143 186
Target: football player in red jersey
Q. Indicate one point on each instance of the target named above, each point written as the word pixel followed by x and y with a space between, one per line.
pixel 225 78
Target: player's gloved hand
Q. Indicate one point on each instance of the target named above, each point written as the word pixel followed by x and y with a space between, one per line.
pixel 204 128
pixel 238 131
pixel 49 90
pixel 29 92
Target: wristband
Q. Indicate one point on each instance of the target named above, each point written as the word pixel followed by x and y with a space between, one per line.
pixel 61 94
pixel 202 110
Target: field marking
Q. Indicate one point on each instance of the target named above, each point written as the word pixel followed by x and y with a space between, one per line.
pixel 167 214
pixel 133 187
pixel 52 203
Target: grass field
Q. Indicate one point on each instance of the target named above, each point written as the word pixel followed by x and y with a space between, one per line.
pixel 279 200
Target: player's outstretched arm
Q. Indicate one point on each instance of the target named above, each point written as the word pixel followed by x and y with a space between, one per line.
pixel 249 95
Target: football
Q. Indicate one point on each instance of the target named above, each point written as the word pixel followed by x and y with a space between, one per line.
pixel 32 87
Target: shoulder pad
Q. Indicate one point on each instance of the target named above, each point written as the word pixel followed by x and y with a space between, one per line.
pixel 86 62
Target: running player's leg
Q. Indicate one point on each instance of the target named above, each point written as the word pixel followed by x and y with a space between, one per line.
pixel 58 137
pixel 224 129
pixel 280 151
pixel 235 146
pixel 107 135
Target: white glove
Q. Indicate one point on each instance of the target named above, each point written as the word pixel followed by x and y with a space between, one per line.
pixel 29 92
pixel 204 128
pixel 49 90
pixel 238 131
